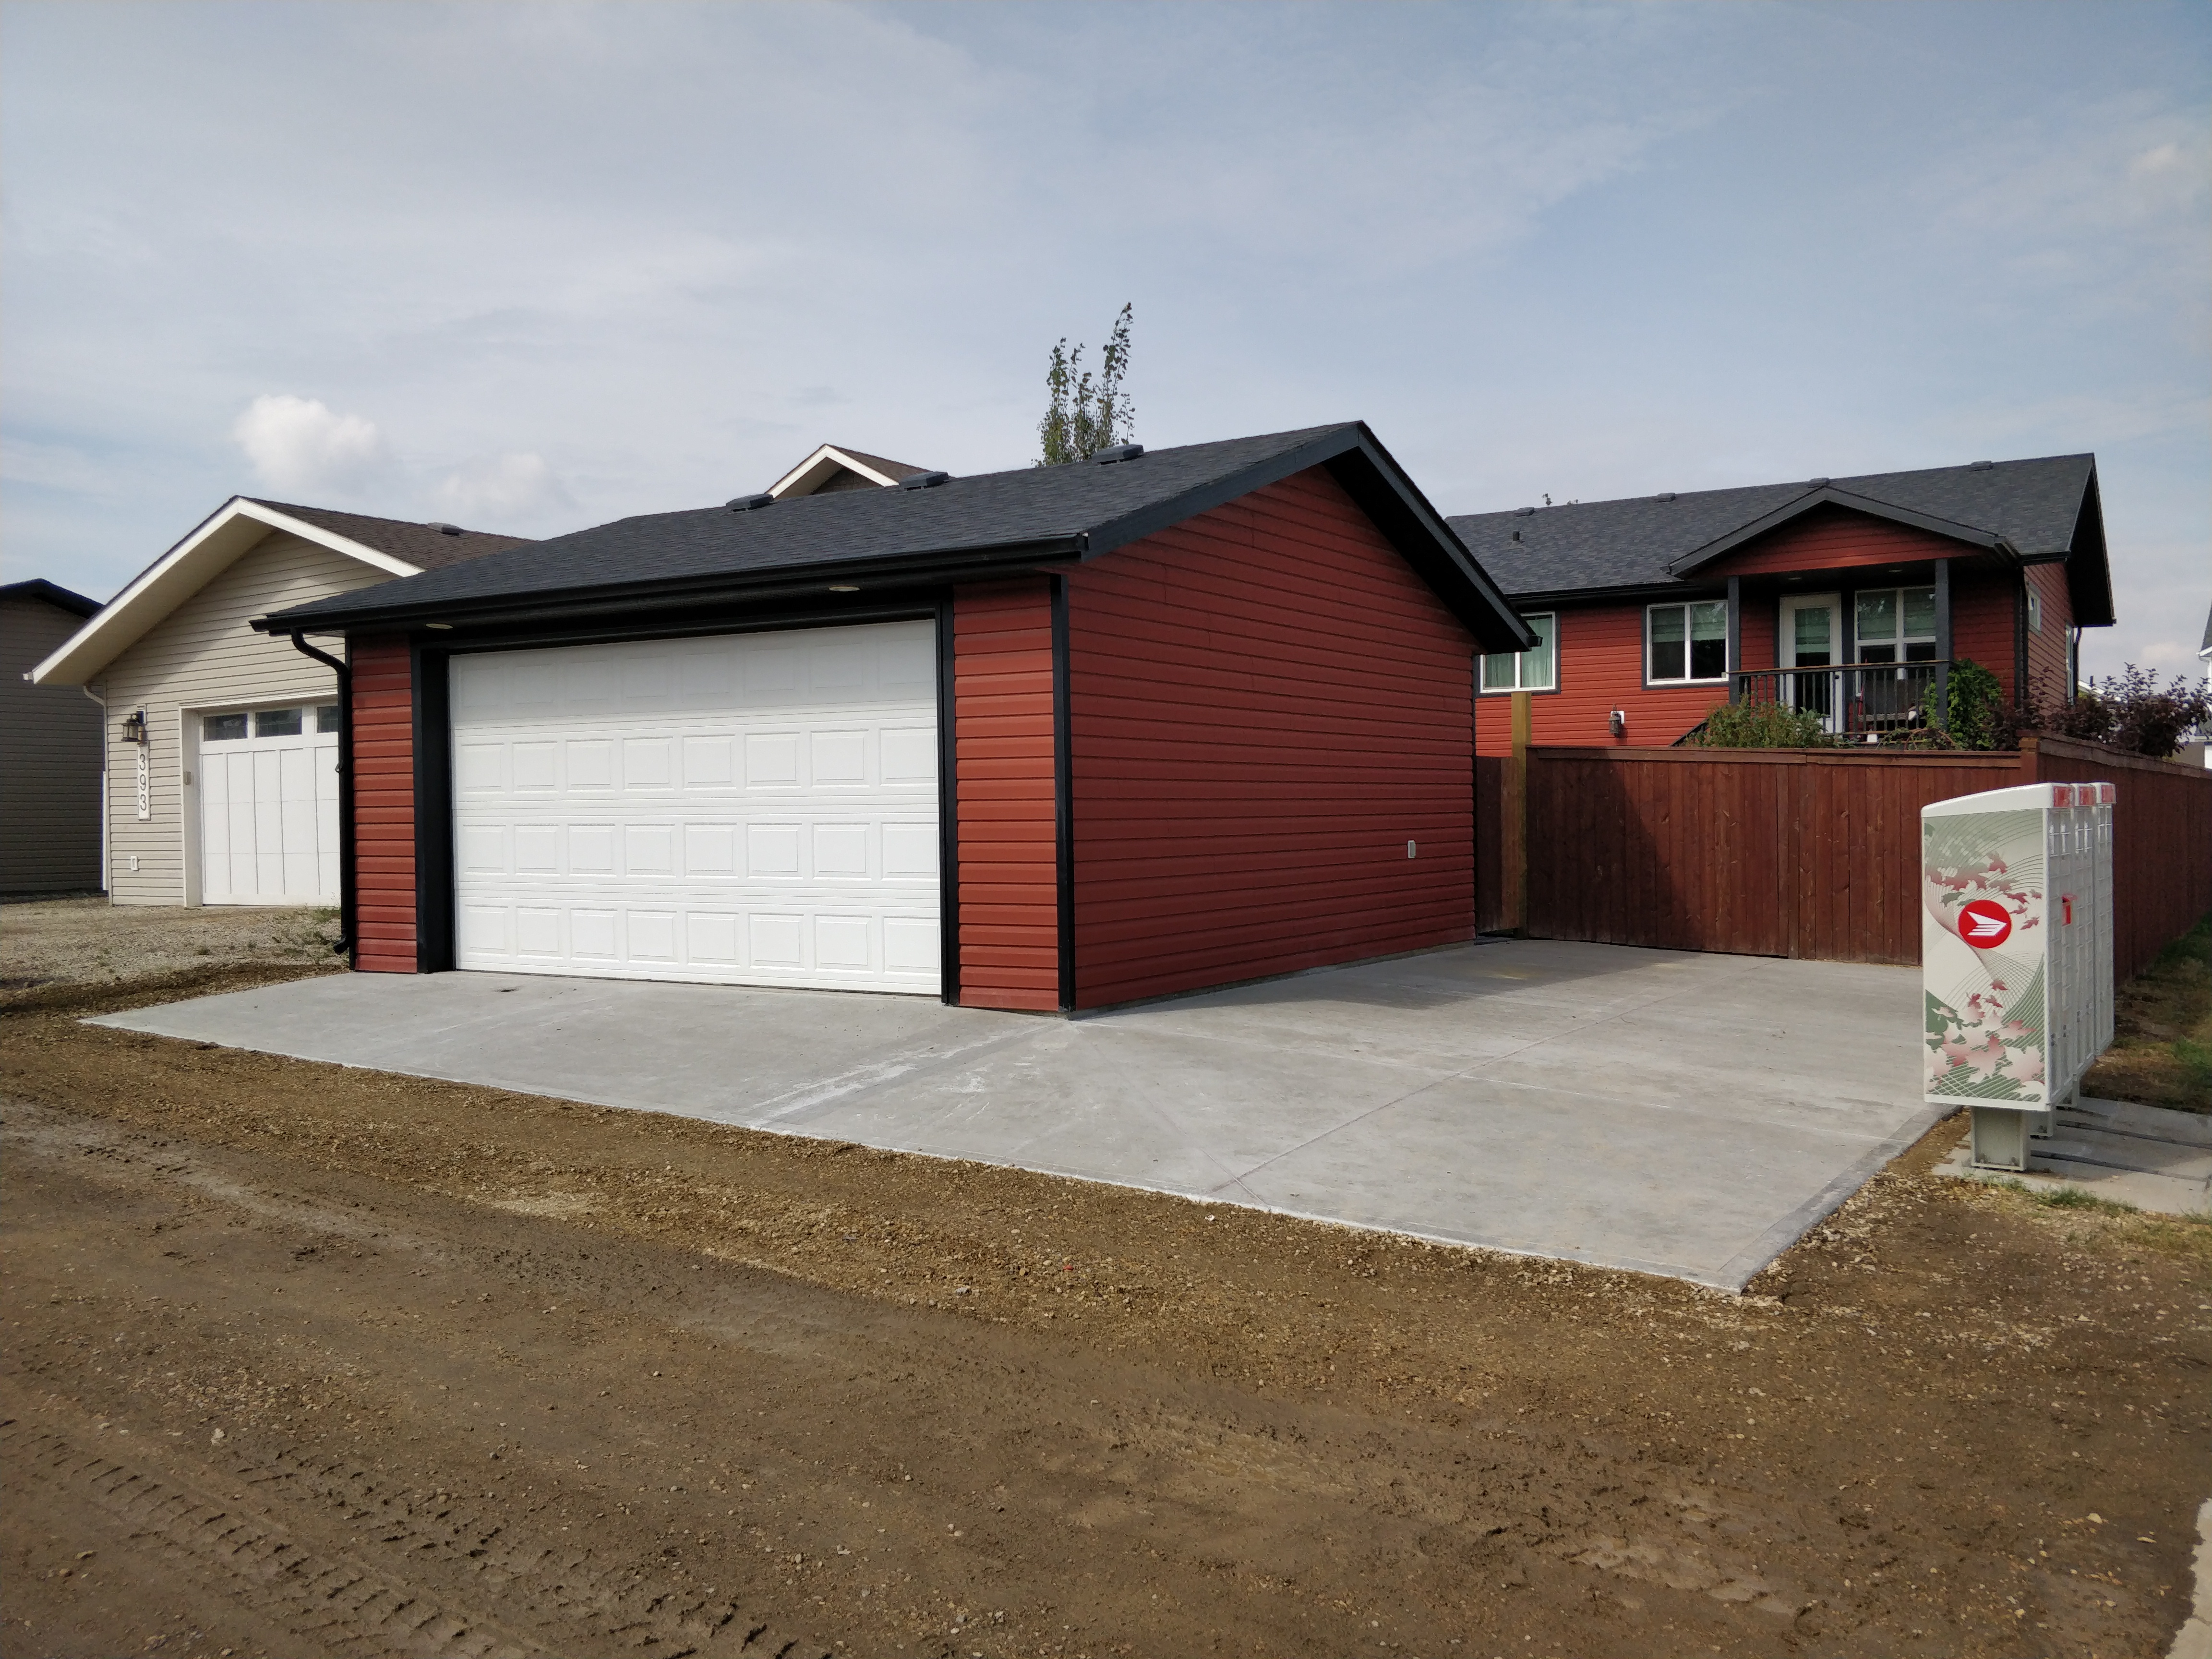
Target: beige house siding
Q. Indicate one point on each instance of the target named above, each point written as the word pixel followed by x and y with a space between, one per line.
pixel 200 659
pixel 49 760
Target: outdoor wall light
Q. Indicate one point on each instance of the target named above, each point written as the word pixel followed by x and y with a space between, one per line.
pixel 133 726
pixel 1618 721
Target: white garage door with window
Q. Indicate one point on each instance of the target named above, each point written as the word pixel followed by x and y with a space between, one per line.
pixel 753 808
pixel 269 805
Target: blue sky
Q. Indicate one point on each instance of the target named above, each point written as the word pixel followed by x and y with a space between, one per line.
pixel 533 267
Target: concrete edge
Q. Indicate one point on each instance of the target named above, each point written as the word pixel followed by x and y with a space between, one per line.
pixel 1748 1263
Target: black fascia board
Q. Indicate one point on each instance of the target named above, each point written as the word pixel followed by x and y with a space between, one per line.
pixel 902 571
pixel 2089 565
pixel 1374 479
pixel 1830 495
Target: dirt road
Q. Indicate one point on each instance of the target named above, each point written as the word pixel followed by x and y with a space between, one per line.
pixel 306 1361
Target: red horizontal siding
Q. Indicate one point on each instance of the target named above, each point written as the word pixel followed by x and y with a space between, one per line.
pixel 2047 678
pixel 1832 538
pixel 1984 622
pixel 384 805
pixel 1266 704
pixel 1004 811
pixel 1599 669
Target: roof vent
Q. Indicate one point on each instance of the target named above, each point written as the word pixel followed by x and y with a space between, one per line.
pixel 1980 466
pixel 1118 452
pixel 1818 483
pixel 751 503
pixel 1523 512
pixel 443 529
pixel 924 481
pixel 1665 495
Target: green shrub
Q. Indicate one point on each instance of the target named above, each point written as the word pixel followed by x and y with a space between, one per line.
pixel 1979 719
pixel 1763 725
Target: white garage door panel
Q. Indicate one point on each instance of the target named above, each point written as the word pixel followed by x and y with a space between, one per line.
pixel 752 809
pixel 269 819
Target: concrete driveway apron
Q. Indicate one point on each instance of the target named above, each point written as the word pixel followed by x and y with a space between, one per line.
pixel 1672 1113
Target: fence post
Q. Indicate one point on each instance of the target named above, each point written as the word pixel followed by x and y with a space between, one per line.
pixel 1513 822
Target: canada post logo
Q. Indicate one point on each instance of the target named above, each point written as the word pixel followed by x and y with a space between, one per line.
pixel 1984 924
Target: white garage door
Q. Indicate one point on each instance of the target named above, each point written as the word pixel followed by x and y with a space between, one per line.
pixel 754 809
pixel 269 805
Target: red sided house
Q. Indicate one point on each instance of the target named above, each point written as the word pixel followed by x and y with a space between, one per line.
pixel 1047 739
pixel 1851 597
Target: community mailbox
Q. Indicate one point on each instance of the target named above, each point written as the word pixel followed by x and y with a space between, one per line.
pixel 2015 954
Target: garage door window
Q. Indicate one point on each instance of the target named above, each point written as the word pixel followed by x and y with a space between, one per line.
pixel 223 728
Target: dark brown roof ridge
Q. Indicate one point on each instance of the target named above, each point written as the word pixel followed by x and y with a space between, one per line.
pixel 425 546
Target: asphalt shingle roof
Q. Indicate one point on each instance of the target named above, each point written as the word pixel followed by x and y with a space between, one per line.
pixel 2032 504
pixel 420 545
pixel 1055 512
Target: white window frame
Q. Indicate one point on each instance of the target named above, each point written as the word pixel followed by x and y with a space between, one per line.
pixel 1519 660
pixel 1687 678
pixel 1903 641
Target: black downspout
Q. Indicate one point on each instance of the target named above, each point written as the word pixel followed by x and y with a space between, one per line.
pixel 345 792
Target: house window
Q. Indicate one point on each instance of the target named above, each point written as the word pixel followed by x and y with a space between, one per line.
pixel 223 728
pixel 2034 610
pixel 1533 669
pixel 1686 642
pixel 1896 624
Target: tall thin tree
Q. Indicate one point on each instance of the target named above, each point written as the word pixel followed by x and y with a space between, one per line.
pixel 1085 414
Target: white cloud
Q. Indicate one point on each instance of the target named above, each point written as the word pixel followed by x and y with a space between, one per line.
pixel 503 488
pixel 300 445
pixel 2166 654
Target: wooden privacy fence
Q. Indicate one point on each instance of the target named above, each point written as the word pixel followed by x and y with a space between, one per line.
pixel 1802 852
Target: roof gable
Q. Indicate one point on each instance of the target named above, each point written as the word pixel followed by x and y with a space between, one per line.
pixel 53 594
pixel 217 542
pixel 829 463
pixel 2032 510
pixel 959 528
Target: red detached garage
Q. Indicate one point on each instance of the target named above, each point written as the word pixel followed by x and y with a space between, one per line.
pixel 1048 739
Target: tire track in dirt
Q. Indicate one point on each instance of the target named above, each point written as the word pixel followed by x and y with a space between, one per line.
pixel 270 1546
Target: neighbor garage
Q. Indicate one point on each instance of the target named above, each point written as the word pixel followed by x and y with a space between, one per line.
pixel 1048 739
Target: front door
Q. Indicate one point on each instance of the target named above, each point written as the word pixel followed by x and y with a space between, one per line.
pixel 1812 638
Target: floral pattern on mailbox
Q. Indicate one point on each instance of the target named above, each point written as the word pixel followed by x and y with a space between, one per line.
pixel 1985 1015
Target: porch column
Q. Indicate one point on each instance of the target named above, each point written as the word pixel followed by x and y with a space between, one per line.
pixel 1940 715
pixel 1735 636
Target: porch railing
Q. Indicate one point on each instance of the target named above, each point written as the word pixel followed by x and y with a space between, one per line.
pixel 1860 699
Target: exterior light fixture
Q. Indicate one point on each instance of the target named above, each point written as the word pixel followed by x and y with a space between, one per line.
pixel 1618 721
pixel 133 726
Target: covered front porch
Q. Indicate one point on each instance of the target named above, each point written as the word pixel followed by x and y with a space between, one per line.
pixel 1868 650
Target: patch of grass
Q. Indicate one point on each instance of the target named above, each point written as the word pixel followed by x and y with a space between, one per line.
pixel 2066 1198
pixel 2161 1052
